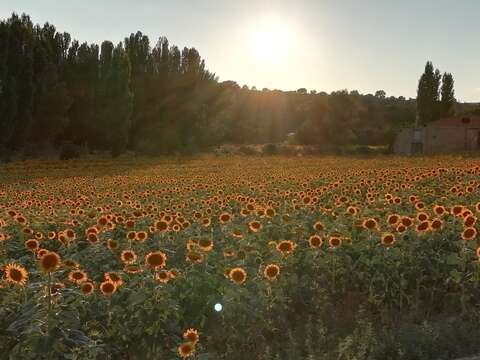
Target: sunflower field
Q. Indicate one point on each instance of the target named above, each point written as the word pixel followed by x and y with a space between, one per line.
pixel 240 258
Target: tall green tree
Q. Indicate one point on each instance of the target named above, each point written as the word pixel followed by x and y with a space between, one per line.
pixel 81 75
pixel 428 94
pixel 115 98
pixel 447 100
pixel 52 100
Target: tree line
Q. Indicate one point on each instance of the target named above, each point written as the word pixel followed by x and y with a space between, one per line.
pixel 58 94
pixel 435 95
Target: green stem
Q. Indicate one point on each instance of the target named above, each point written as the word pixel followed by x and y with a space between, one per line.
pixel 49 299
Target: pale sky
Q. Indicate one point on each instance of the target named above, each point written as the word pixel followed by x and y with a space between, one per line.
pixel 325 45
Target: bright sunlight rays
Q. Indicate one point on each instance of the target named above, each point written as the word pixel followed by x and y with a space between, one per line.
pixel 271 41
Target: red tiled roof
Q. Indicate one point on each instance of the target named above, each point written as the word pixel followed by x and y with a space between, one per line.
pixel 470 121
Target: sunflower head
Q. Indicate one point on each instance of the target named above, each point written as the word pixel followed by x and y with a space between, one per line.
pixel 205 244
pixel 191 335
pixel 108 288
pixel 163 276
pixel 388 239
pixel 286 247
pixel 156 259
pixel 87 287
pixel 186 349
pixel 50 262
pixel 271 271
pixel 16 274
pixel 128 256
pixel 315 241
pixel 238 275
pixel 469 233
pixel 77 276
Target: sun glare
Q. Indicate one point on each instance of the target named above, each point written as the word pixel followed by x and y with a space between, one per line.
pixel 271 43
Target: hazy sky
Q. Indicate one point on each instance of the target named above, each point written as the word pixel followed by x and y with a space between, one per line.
pixel 325 44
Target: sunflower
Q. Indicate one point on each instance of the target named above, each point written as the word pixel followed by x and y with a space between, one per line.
pixel 315 241
pixel 132 269
pixel 141 236
pixel 388 239
pixel 370 224
pixel 77 276
pixel 186 349
pixel 87 287
pixel 191 335
pixel 205 244
pixel 439 209
pixel 286 247
pixel 32 245
pixel 334 241
pixel 228 253
pixel 55 288
pixel 41 252
pixel 457 210
pixel 161 225
pixel 469 233
pixel 254 225
pixel 419 205
pixel 92 238
pixel 16 274
pixel 421 216
pixel 50 262
pixel 194 257
pixel 131 235
pixel 237 275
pixel 318 226
pixel 244 212
pixel 225 217
pixel 237 233
pixel 4 237
pixel 128 256
pixel 156 259
pixel 469 221
pixel 113 277
pixel 352 210
pixel 108 288
pixel 423 227
pixel 271 271
pixel 270 212
pixel 436 224
pixel 406 221
pixel 393 219
pixel 112 244
pixel 69 233
pixel 163 276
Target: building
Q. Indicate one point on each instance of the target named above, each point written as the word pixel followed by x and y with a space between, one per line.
pixel 443 136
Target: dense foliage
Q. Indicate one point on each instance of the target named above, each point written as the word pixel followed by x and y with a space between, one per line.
pixel 58 94
pixel 435 95
pixel 310 258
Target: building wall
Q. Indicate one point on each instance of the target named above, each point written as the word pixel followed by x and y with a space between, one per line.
pixel 410 141
pixel 403 142
pixel 435 139
pixel 473 139
pixel 440 140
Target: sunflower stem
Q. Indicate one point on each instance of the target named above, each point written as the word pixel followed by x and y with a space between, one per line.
pixel 49 299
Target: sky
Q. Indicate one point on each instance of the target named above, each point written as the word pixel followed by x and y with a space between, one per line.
pixel 322 45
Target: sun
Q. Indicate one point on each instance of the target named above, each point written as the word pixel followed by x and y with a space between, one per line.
pixel 271 43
